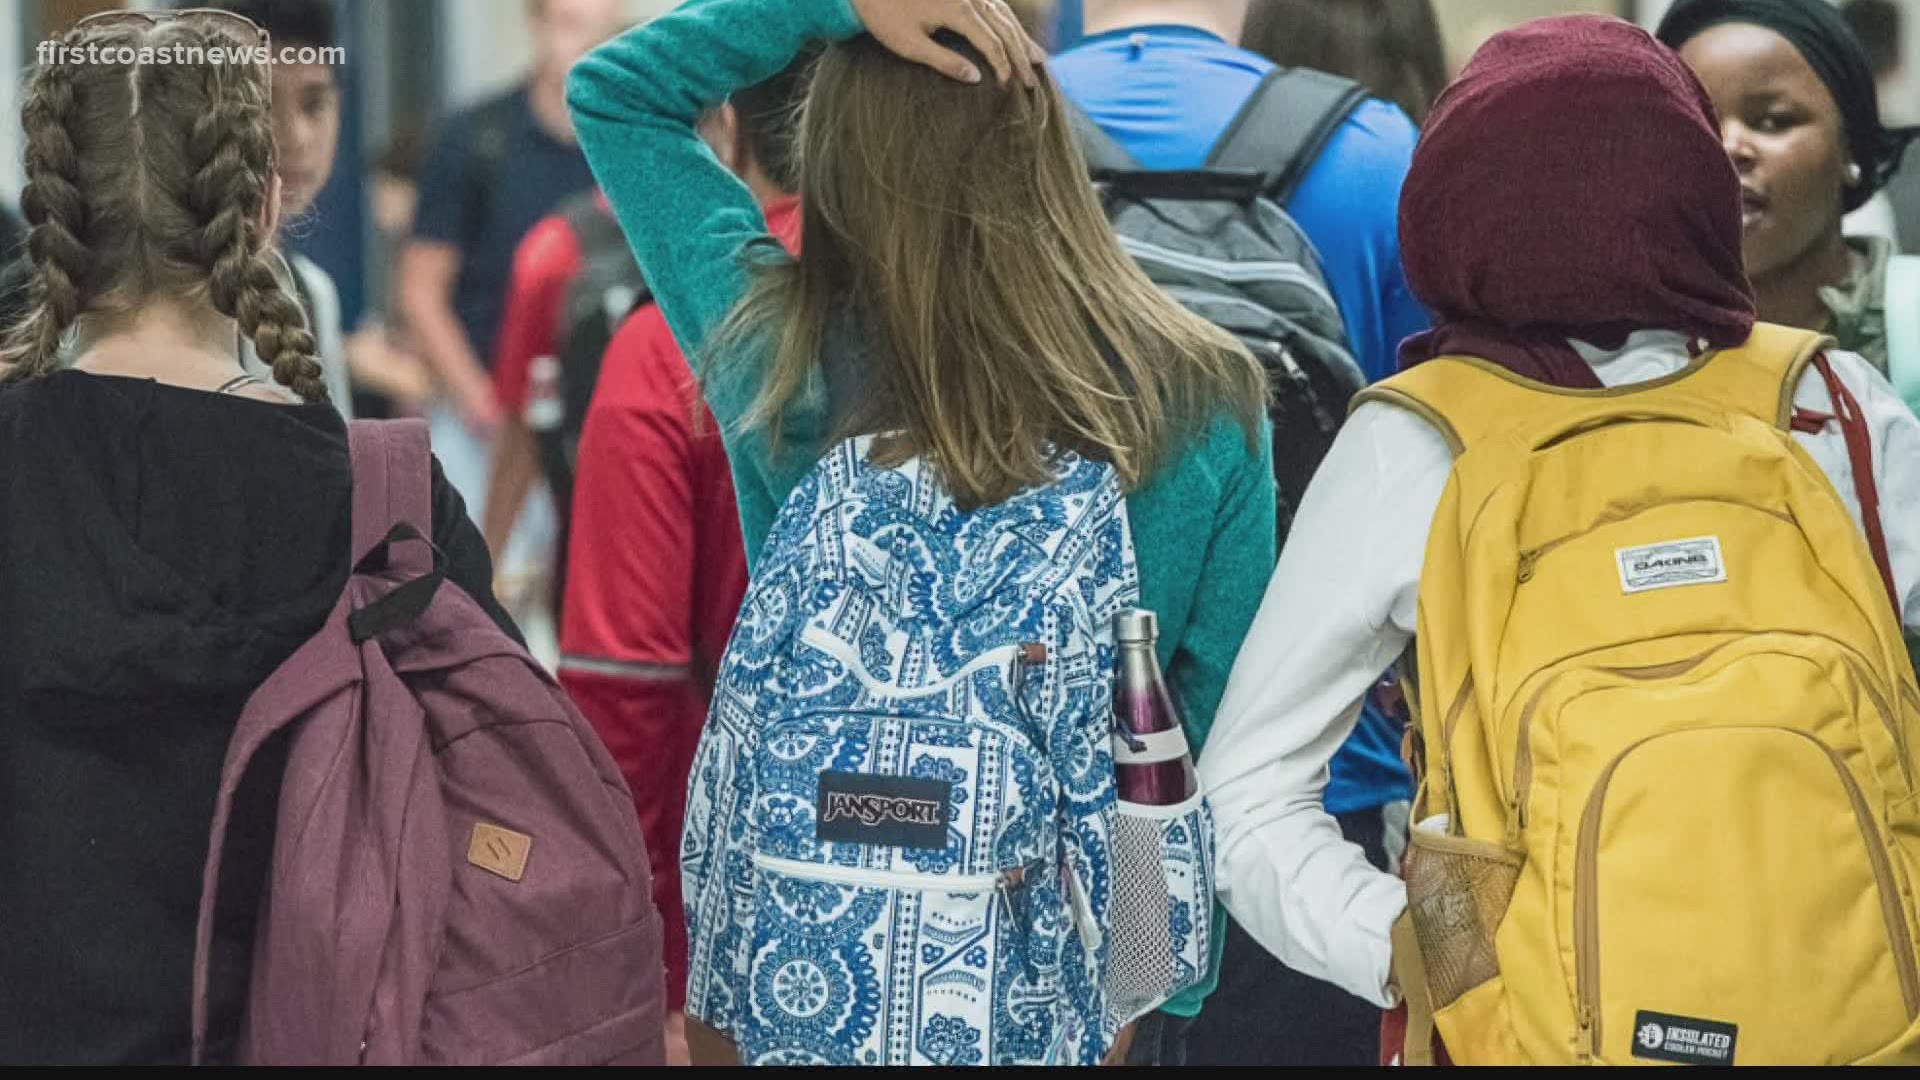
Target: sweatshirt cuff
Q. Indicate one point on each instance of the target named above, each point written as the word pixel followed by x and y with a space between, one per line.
pixel 1368 973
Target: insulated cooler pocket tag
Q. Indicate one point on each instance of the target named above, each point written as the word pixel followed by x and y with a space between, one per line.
pixel 1682 1039
pixel 883 811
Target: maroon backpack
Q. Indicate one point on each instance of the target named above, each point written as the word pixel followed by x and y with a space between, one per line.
pixel 458 873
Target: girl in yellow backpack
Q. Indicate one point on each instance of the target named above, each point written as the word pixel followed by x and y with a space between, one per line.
pixel 1665 808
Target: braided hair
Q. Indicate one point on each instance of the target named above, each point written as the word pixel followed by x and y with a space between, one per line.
pixel 147 181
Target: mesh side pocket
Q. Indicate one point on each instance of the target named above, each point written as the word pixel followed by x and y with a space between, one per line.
pixel 1161 916
pixel 1458 891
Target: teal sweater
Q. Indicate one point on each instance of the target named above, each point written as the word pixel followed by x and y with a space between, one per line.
pixel 1203 528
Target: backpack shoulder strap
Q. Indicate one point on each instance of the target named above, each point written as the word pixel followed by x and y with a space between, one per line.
pixel 1284 126
pixel 392 501
pixel 1759 377
pixel 393 521
pixel 1901 303
pixel 1105 156
pixel 392 481
pixel 1853 427
pixel 1467 399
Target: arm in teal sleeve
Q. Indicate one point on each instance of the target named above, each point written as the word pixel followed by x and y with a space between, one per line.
pixel 694 227
pixel 1240 559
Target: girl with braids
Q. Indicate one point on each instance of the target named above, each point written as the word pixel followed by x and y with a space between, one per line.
pixel 171 529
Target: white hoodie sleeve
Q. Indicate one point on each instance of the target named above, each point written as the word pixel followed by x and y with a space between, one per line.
pixel 1339 610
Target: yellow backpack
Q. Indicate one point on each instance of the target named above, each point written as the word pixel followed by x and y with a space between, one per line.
pixel 1666 711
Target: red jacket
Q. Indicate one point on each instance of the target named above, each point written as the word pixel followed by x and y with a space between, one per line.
pixel 656 571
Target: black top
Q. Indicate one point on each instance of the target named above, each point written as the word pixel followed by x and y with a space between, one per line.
pixel 489 177
pixel 162 551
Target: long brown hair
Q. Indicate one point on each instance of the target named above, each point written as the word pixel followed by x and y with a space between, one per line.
pixel 150 181
pixel 954 226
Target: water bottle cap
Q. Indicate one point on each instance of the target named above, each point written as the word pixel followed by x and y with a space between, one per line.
pixel 1136 625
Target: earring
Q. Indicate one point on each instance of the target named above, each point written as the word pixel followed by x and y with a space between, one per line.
pixel 1853 174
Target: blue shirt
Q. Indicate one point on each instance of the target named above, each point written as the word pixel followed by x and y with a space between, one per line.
pixel 1166 94
pixel 485 210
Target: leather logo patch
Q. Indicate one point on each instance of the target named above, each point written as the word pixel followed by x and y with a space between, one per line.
pixel 499 851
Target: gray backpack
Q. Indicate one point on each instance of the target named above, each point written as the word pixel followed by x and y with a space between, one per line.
pixel 1219 240
pixel 607 288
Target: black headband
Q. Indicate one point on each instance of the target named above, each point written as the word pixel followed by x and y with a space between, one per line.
pixel 1821 35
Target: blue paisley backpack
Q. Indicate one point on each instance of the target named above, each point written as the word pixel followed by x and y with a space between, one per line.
pixel 903 844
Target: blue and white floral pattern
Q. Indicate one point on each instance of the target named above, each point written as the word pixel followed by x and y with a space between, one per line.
pixel 884 634
pixel 949 1040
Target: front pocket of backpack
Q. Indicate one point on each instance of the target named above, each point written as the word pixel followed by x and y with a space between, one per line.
pixel 905 867
pixel 1735 902
pixel 598 1003
pixel 1161 929
pixel 851 966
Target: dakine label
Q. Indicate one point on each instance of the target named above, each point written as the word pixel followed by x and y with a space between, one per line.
pixel 1682 1039
pixel 1671 565
pixel 884 811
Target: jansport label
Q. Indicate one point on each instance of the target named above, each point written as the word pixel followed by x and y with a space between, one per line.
pixel 1671 564
pixel 1682 1039
pixel 883 811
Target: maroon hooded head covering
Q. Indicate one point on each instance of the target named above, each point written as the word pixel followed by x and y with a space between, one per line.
pixel 1571 183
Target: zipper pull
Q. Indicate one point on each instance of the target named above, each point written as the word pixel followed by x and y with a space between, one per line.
pixel 1016 911
pixel 1012 889
pixel 1031 654
pixel 1586 1049
pixel 1081 911
pixel 1528 560
pixel 1516 820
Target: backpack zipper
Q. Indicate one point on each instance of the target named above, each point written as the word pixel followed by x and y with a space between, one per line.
pixel 1523 766
pixel 1002 885
pixel 1447 725
pixel 1523 752
pixel 860 877
pixel 1904 962
pixel 1530 558
pixel 1895 729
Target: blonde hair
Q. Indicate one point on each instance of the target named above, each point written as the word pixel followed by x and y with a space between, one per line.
pixel 956 228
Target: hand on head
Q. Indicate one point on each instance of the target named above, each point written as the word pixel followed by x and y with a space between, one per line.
pixel 908 29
